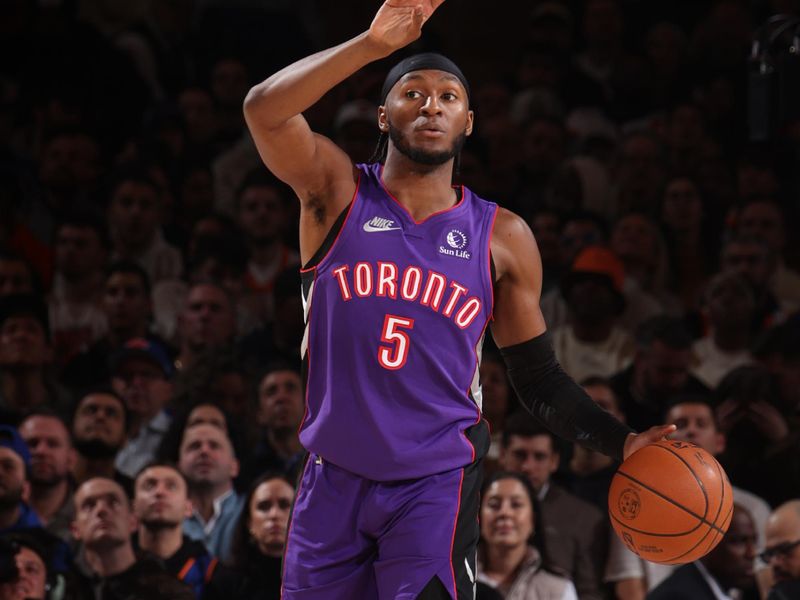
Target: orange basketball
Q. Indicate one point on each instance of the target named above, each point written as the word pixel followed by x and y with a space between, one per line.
pixel 670 502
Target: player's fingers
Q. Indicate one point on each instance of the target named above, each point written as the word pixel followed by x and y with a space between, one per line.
pixel 660 432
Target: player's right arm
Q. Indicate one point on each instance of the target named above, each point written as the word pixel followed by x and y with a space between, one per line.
pixel 320 173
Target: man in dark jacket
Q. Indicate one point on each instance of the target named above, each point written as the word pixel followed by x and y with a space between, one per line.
pixel 107 568
pixel 161 503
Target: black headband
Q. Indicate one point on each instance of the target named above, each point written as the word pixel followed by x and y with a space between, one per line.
pixel 419 62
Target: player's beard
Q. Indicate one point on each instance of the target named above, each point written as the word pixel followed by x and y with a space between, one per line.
pixel 423 157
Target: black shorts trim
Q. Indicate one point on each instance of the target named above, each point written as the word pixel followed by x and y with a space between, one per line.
pixel 467 532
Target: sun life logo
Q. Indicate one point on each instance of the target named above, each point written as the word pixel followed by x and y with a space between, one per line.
pixel 457 241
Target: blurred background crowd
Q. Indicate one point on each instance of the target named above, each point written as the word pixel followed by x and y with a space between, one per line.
pixel 150 315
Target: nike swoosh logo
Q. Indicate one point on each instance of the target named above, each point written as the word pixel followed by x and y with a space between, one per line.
pixel 371 228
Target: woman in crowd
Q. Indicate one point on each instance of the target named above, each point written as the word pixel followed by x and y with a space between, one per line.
pixel 512 557
pixel 260 538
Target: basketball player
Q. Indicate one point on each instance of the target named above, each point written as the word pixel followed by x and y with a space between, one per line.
pixel 402 275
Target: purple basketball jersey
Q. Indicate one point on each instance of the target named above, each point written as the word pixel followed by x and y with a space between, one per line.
pixel 396 313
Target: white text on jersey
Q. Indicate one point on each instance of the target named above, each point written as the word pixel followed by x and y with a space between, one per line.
pixel 385 280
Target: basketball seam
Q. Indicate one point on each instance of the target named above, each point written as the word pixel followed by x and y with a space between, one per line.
pixel 700 482
pixel 722 479
pixel 674 559
pixel 671 501
pixel 717 532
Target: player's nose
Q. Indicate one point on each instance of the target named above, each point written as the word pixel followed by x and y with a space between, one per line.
pixel 431 106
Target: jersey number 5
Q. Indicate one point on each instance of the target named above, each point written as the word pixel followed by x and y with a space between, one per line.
pixel 394 355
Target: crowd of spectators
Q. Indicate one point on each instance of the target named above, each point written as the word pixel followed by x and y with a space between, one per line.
pixel 151 320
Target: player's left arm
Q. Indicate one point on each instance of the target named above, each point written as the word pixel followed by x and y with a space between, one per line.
pixel 521 334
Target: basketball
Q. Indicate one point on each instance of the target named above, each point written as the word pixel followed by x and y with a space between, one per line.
pixel 670 502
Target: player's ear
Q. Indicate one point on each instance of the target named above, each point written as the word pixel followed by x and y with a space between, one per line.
pixel 470 122
pixel 383 122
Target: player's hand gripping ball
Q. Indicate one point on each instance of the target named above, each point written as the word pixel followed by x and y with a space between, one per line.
pixel 670 502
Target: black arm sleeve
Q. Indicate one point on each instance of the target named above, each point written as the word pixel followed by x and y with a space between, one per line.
pixel 558 402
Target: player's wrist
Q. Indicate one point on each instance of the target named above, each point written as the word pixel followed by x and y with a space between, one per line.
pixel 374 47
pixel 626 448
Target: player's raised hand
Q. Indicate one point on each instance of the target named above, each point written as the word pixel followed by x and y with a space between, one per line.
pixel 399 22
pixel 636 441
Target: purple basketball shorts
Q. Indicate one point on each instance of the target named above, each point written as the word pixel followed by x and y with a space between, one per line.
pixel 352 538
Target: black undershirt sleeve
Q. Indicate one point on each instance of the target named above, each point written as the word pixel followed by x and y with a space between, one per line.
pixel 558 402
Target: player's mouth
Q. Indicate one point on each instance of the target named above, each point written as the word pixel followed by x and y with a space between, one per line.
pixel 429 129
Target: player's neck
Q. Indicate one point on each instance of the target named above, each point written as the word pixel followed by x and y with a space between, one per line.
pixel 423 190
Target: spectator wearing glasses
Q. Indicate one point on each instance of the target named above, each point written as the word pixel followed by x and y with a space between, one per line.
pixel 782 552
